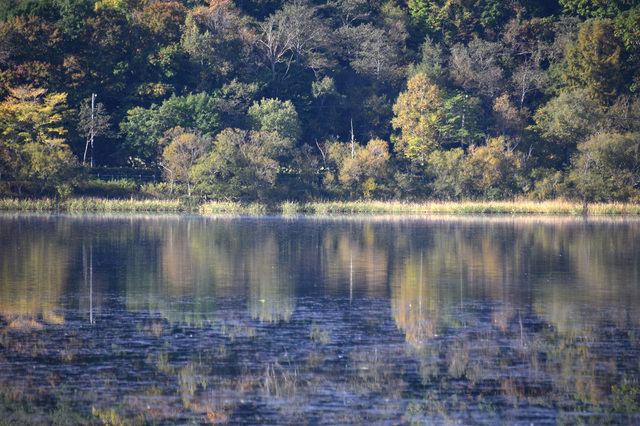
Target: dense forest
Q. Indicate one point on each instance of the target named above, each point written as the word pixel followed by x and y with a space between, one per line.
pixel 346 99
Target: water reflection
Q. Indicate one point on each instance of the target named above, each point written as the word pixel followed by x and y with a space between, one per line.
pixel 342 320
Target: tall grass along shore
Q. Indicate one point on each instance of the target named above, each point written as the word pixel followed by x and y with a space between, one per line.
pixel 100 205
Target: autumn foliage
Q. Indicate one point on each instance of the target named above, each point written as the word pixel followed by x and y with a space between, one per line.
pixel 408 100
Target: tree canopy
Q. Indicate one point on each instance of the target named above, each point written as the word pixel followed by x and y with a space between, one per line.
pixel 315 98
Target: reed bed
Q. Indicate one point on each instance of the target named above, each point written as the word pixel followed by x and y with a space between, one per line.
pixel 558 207
pixel 86 204
pixel 522 207
pixel 292 208
pixel 120 206
pixel 217 207
pixel 15 204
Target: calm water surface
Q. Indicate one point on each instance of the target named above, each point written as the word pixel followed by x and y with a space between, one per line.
pixel 162 320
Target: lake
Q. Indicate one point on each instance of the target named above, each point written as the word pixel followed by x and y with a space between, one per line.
pixel 341 320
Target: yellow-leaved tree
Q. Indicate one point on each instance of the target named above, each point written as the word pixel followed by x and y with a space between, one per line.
pixel 418 115
pixel 360 169
pixel 184 147
pixel 32 145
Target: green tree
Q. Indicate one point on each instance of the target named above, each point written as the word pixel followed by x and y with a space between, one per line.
pixel 432 62
pixel 233 101
pixel 274 115
pixel 418 116
pixel 212 38
pixel 242 164
pixel 458 20
pixel 565 121
pixel 443 18
pixel 158 54
pixel 627 29
pixel 595 8
pixel 329 108
pixel 594 62
pixel 183 148
pixel 108 57
pixel 607 168
pixel 144 127
pixel 461 123
pixel 33 145
pixel 197 111
pixel 627 26
pixel 73 13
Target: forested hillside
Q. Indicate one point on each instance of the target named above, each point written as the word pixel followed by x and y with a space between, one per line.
pixel 269 99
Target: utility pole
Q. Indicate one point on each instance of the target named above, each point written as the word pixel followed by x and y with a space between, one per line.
pixel 93 105
pixel 352 141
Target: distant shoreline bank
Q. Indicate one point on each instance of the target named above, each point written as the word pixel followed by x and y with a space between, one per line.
pixel 102 205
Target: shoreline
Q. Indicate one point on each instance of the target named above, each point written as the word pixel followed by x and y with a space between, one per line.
pixel 101 205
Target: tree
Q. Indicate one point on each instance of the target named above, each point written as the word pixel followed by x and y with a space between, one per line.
pixel 73 13
pixel 144 127
pixel 418 115
pixel 32 52
pixel 361 169
pixel 432 62
pixel 308 33
pixel 162 20
pixel 274 115
pixel 351 11
pixel 593 62
pixel 109 53
pixel 461 122
pixel 607 168
pixel 627 29
pixel 495 170
pixel 92 122
pixel 457 20
pixel 594 8
pixel 529 45
pixel 212 38
pixel 374 52
pixel 527 79
pixel 183 148
pixel 475 66
pixel 623 116
pixel 233 101
pixel 627 26
pixel 566 120
pixel 378 56
pixel 447 170
pixel 274 43
pixel 33 145
pixel 196 110
pixel 430 14
pixel 509 119
pixel 329 107
pixel 241 163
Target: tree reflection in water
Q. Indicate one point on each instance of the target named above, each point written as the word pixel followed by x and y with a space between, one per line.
pixel 175 319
